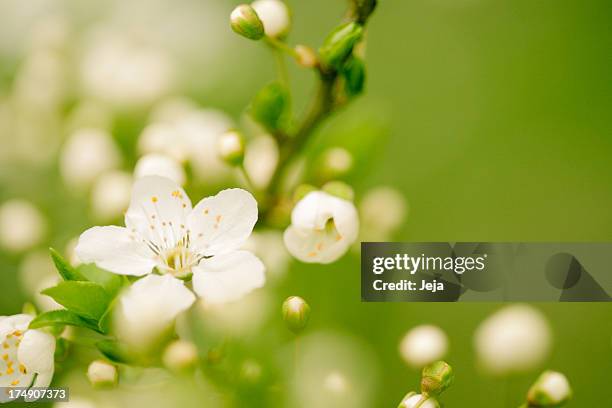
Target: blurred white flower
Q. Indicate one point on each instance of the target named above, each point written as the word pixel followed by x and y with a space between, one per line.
pixel 41 80
pixel 87 154
pixel 269 247
pixel 22 226
pixel 37 272
pixel 155 164
pixel 110 195
pixel 101 373
pixel 336 162
pixel 382 210
pixel 180 355
pixel 322 228
pixel 149 307
pixel 412 400
pixel 514 339
pixel 423 345
pixel 27 354
pixel 551 389
pixel 125 72
pixel 188 134
pixel 260 160
pixel 164 232
pixel 274 15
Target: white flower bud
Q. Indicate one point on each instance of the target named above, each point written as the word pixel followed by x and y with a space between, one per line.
pixel 245 21
pixel 336 162
pixel 101 374
pixel 180 355
pixel 22 226
pixel 231 147
pixel 414 400
pixel 110 195
pixel 296 313
pixel 514 339
pixel 552 389
pixel 155 164
pixel 275 16
pixel 306 56
pixel 423 345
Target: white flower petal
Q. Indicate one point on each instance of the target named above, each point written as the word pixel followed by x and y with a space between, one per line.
pixel 9 324
pixel 36 351
pixel 116 250
pixel 314 246
pixel 318 207
pixel 158 211
pixel 228 277
pixel 222 223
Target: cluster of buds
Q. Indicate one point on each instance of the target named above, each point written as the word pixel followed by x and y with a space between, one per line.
pixel 435 379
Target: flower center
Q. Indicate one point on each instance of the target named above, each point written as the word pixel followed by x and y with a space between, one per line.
pixel 180 259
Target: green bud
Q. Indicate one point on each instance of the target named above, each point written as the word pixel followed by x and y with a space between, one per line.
pixel 339 189
pixel 245 21
pixel 270 107
pixel 436 378
pixel 339 44
pixel 354 76
pixel 231 147
pixel 102 374
pixel 296 313
pixel 301 191
pixel 551 389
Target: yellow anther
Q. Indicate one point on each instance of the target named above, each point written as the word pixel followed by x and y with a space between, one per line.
pixel 22 368
pixel 5 357
pixel 311 254
pixel 206 211
pixel 15 382
pixel 154 199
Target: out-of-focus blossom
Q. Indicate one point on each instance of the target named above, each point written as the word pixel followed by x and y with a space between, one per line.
pixel 86 155
pixel 148 308
pixel 155 164
pixel 335 162
pixel 180 355
pixel 260 160
pixel 423 345
pixel 27 354
pixel 275 16
pixel 552 389
pixel 188 134
pixel 514 339
pixel 101 373
pixel 40 82
pixel 22 226
pixel 382 211
pixel 163 231
pixel 269 247
pixel 36 273
pixel 89 114
pixel 333 370
pixel 124 71
pixel 322 228
pixel 231 147
pixel 110 195
pixel 414 400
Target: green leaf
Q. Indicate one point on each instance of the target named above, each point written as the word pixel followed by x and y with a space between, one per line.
pixel 87 299
pixel 339 44
pixel 114 351
pixel 111 282
pixel 67 272
pixel 63 318
pixel 270 107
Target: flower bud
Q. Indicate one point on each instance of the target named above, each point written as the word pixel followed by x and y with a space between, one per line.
pixel 306 56
pixel 335 162
pixel 436 378
pixel 414 400
pixel 552 389
pixel 245 21
pixel 354 76
pixel 339 44
pixel 231 147
pixel 296 313
pixel 274 15
pixel 101 374
pixel 180 355
pixel 339 189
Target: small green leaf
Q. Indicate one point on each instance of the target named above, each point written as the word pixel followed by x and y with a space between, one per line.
pixel 67 272
pixel 87 299
pixel 114 351
pixel 270 107
pixel 61 318
pixel 354 76
pixel 111 282
pixel 339 44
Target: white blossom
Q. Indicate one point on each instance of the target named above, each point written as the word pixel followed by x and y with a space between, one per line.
pixel 412 400
pixel 322 228
pixel 274 15
pixel 163 231
pixel 101 373
pixel 155 164
pixel 423 345
pixel 110 195
pixel 22 226
pixel 26 354
pixel 514 339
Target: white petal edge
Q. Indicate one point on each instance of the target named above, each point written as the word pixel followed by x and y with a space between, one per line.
pixel 302 244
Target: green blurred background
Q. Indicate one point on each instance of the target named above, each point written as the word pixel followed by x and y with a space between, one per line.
pixel 495 119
